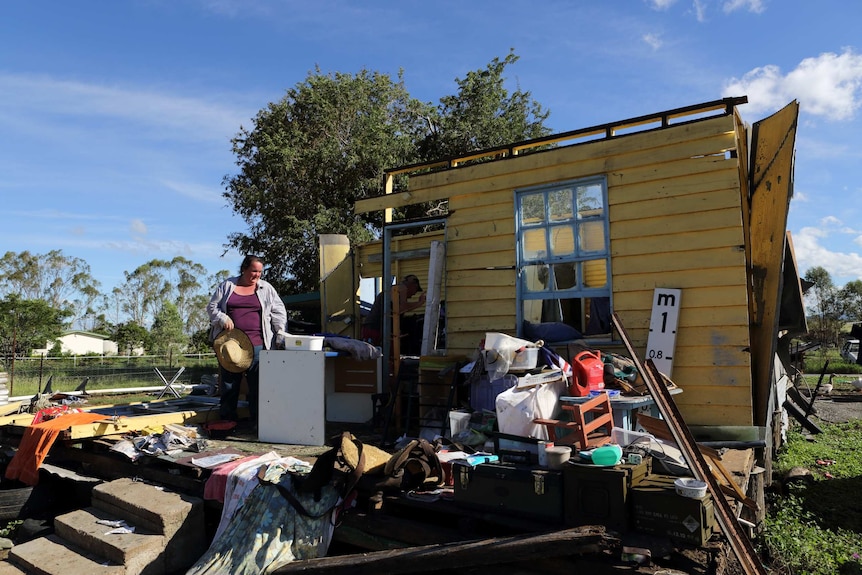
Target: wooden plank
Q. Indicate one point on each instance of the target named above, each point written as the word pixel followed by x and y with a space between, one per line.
pixel 696 261
pixel 710 176
pixel 772 175
pixel 479 262
pixel 127 424
pixel 504 229
pixel 714 199
pixel 461 556
pixel 739 542
pixel 480 278
pixel 700 296
pixel 711 220
pixel 462 293
pixel 731 276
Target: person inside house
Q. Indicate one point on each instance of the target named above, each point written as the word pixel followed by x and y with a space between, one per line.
pixel 372 325
pixel 245 312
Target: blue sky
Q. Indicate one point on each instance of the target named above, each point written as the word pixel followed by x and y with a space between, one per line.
pixel 116 116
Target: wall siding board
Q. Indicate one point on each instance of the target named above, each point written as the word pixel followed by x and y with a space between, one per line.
pixel 701 222
pixel 480 261
pixel 725 277
pixel 458 247
pixel 658 263
pixel 694 297
pixel 677 242
pixel 649 207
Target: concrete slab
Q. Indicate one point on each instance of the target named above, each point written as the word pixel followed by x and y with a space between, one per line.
pixel 142 553
pixel 52 556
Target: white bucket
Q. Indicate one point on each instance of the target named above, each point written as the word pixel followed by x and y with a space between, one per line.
pixel 458 421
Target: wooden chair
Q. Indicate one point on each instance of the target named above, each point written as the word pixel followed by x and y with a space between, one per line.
pixel 591 423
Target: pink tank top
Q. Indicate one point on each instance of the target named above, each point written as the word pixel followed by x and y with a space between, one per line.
pixel 245 311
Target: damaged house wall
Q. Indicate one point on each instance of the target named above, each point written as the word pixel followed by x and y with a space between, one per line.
pixel 677 216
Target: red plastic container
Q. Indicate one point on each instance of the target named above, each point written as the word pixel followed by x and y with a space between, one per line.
pixel 588 374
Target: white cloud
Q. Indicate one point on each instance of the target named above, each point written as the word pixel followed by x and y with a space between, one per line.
pixel 196 191
pixel 661 4
pixel 755 6
pixel 653 40
pixel 829 85
pixel 183 117
pixel 138 227
pixel 810 252
pixel 700 10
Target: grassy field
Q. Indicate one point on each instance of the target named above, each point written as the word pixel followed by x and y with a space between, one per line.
pixel 814 520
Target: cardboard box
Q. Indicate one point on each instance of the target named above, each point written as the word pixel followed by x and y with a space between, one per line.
pixel 509 489
pixel 598 495
pixel 659 510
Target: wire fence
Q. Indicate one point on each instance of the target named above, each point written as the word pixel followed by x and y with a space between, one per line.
pixel 31 375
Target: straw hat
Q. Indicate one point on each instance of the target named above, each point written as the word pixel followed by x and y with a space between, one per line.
pixel 375 458
pixel 234 350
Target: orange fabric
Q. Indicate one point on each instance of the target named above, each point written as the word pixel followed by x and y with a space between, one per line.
pixel 37 442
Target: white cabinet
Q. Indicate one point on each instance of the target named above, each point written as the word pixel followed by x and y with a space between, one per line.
pixel 301 390
pixel 292 397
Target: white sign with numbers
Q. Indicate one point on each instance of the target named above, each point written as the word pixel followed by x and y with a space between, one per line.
pixel 662 328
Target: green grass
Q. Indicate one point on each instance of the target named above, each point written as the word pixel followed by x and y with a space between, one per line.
pixel 814 529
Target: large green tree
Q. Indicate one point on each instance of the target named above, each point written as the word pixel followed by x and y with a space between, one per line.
pixel 308 157
pixel 27 324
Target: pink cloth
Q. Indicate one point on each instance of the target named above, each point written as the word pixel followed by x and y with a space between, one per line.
pixel 215 486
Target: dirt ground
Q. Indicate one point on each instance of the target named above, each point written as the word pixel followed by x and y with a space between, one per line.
pixel 839 407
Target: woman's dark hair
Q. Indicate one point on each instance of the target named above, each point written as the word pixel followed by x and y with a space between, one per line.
pixel 247 261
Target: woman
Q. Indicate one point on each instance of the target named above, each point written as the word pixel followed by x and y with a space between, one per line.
pixel 250 304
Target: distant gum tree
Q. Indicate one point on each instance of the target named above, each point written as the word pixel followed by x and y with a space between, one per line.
pixel 308 157
pixel 64 282
pixel 827 304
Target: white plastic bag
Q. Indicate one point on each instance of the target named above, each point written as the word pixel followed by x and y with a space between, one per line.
pixel 516 409
pixel 500 351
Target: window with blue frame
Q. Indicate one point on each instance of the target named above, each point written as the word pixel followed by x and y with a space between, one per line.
pixel 564 279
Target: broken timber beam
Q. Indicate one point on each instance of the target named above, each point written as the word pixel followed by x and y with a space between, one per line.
pixel 738 540
pixel 494 551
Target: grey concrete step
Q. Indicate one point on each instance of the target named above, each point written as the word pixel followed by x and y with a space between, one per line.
pixel 52 555
pixel 179 517
pixel 7 568
pixel 141 552
pixel 147 505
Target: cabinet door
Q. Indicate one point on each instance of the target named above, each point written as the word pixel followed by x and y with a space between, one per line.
pixel 292 397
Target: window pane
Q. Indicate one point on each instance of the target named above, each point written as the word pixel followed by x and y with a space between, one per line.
pixel 590 201
pixel 535 277
pixel 533 244
pixel 562 241
pixel 595 273
pixel 592 236
pixel 565 276
pixel 560 205
pixel 532 210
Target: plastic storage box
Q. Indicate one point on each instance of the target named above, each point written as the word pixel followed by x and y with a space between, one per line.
pixel 304 342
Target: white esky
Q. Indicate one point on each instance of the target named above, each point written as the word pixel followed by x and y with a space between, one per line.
pixel 116 117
